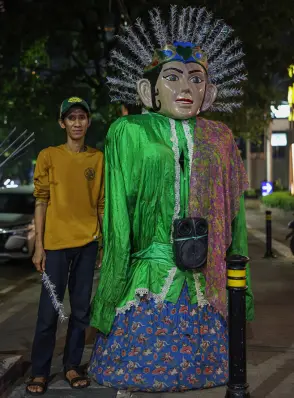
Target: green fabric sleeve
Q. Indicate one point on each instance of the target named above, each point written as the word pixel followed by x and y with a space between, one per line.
pixel 116 229
pixel 239 245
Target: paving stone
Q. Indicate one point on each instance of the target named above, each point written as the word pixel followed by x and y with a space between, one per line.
pixel 11 368
pixel 19 392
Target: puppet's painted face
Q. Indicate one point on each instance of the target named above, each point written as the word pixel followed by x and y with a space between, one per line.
pixel 181 90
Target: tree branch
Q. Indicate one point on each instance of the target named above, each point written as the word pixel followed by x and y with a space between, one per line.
pixel 124 11
pixel 92 82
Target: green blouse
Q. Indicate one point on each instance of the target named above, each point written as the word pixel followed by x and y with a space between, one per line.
pixel 139 211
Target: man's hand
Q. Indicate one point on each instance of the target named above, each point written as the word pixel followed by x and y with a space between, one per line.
pixel 99 259
pixel 39 259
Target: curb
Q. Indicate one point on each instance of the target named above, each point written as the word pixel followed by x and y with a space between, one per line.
pixel 285 214
pixel 278 247
pixel 11 369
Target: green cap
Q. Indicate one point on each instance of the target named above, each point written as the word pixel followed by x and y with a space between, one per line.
pixel 73 101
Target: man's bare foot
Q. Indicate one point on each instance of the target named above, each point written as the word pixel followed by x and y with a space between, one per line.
pixel 36 385
pixel 82 381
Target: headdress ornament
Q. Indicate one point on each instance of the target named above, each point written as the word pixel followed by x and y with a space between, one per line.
pixel 190 36
pixel 178 51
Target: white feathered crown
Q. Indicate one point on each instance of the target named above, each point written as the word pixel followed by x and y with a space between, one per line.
pixel 190 25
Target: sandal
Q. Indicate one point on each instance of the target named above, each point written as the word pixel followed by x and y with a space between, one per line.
pixel 31 383
pixel 76 379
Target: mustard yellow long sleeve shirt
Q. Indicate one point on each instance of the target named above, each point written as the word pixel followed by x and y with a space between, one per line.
pixel 73 186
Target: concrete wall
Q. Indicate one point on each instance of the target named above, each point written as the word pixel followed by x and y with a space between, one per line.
pixel 281 171
pixel 280 125
pixel 258 174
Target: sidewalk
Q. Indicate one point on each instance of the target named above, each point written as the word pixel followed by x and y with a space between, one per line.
pixel 255 214
pixel 270 337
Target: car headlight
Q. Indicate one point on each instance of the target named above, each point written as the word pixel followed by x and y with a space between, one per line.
pixel 23 230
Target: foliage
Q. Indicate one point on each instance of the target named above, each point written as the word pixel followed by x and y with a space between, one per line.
pixel 281 200
pixel 62 55
pixel 251 193
pixel 278 185
pixel 36 56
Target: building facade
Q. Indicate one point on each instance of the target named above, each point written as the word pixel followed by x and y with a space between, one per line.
pixel 271 160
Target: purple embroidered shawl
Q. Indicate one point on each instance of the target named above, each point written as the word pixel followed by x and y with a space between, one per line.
pixel 218 180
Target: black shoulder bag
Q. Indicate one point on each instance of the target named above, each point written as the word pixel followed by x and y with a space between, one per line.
pixel 190 243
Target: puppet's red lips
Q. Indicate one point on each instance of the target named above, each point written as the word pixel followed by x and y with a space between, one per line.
pixel 184 101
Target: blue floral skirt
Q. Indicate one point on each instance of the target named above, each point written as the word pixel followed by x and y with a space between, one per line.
pixel 163 347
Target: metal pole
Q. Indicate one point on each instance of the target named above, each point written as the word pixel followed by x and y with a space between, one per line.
pixel 237 386
pixel 268 229
pixel 269 155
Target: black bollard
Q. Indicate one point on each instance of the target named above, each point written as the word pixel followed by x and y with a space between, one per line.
pixel 268 229
pixel 237 386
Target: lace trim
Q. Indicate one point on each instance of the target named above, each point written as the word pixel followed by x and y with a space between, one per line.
pixel 201 300
pixel 175 142
pixel 190 145
pixel 140 292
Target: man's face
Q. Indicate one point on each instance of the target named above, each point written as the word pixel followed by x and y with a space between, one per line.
pixel 76 123
pixel 181 89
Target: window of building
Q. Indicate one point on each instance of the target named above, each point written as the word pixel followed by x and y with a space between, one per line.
pixel 279 152
pixel 279 144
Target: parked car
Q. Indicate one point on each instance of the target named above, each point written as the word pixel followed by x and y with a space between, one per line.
pixel 17 229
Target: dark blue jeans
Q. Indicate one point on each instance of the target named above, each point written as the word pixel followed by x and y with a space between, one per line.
pixel 74 267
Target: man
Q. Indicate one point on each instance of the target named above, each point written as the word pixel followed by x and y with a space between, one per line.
pixel 69 191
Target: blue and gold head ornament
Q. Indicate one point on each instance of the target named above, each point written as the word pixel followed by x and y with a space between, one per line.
pixel 184 52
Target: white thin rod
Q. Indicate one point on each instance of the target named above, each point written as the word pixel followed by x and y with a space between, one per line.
pixel 13 142
pixel 9 135
pixel 20 148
